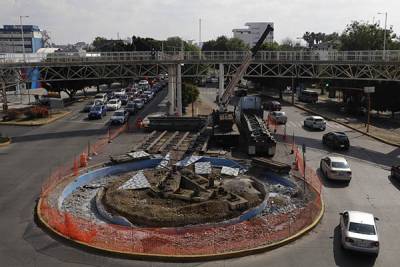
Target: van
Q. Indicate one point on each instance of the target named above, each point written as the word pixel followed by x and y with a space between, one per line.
pixel 308 96
pixel 102 97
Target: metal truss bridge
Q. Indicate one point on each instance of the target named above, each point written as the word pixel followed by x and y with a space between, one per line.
pixel 354 65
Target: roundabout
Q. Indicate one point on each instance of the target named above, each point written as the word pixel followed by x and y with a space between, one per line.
pixel 199 209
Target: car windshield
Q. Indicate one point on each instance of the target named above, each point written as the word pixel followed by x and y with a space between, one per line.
pixel 318 120
pixel 96 108
pixel 113 101
pixel 361 228
pixel 130 105
pixel 99 96
pixel 119 113
pixel 340 164
pixel 280 113
pixel 138 101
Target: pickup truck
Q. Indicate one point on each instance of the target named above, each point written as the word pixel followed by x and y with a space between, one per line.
pixel 395 172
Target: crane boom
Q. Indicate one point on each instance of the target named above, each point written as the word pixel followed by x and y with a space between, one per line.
pixel 223 101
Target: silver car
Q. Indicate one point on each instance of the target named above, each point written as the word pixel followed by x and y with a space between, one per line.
pixel 335 168
pixel 359 232
pixel 278 116
pixel 315 122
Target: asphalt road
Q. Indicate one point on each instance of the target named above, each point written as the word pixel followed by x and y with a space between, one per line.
pixel 24 164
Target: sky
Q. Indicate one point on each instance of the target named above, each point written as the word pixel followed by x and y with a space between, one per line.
pixel 70 21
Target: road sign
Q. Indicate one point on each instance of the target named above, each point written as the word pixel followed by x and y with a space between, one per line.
pixel 369 89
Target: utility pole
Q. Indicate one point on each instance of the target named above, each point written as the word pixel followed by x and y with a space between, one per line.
pixel 369 90
pixel 384 34
pixel 22 36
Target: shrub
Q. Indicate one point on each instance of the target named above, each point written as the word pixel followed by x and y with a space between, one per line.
pixel 37 112
pixel 12 114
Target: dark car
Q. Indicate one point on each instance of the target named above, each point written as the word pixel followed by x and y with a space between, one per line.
pixel 97 112
pixel 273 106
pixel 131 107
pixel 395 172
pixel 124 99
pixel 336 140
pixel 88 106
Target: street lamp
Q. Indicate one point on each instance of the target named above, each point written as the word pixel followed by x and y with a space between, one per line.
pixel 22 35
pixel 384 34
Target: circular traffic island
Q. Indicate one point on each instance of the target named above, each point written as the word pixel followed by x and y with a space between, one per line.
pixel 206 209
pixel 180 198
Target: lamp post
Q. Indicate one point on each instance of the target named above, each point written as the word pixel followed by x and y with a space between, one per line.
pixel 22 35
pixel 384 34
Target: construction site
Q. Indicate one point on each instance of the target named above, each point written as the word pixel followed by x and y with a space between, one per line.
pixel 192 187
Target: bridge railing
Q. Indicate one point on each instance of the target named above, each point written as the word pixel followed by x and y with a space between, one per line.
pixel 207 56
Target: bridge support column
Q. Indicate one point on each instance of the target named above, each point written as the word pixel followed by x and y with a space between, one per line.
pixel 171 89
pixel 221 80
pixel 179 90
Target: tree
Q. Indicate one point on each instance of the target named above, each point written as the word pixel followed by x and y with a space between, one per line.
pixel 67 86
pixel 190 93
pixel 101 44
pixel 364 36
pixel 223 43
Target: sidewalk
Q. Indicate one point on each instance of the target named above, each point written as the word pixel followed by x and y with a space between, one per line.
pixel 382 128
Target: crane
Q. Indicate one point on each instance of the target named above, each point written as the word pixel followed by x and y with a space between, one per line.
pixel 224 99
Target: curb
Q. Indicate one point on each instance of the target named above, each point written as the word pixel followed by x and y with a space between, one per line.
pixel 36 123
pixel 180 258
pixel 6 143
pixel 348 126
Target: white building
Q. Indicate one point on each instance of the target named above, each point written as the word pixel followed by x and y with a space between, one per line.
pixel 253 32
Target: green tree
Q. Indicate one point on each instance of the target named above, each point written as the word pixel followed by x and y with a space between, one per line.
pixel 101 44
pixel 364 36
pixel 223 43
pixel 190 93
pixel 70 87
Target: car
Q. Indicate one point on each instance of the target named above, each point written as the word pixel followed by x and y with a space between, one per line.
pixel 336 140
pixel 150 94
pixel 139 103
pixel 335 168
pixel 97 112
pixel 90 104
pixel 114 104
pixel 279 117
pixel 359 232
pixel 124 99
pixel 308 96
pixel 315 122
pixel 131 107
pixel 119 117
pixel 395 172
pixel 102 97
pixel 273 106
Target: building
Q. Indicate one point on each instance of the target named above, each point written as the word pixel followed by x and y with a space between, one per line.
pixel 11 39
pixel 253 32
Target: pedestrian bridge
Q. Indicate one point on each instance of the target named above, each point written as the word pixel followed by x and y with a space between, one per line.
pixel 355 65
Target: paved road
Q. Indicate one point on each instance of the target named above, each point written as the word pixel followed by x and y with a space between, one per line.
pixel 24 164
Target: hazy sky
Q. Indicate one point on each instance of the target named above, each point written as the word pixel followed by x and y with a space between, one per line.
pixel 69 21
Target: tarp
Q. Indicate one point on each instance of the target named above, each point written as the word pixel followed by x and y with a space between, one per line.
pixel 230 171
pixel 138 181
pixel 202 168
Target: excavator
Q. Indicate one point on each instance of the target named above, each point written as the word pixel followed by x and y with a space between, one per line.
pixel 254 135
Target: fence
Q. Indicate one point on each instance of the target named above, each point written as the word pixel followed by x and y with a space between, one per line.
pixel 260 231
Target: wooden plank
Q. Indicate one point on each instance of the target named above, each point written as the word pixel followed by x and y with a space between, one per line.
pixel 144 141
pixel 156 140
pixel 181 140
pixel 167 142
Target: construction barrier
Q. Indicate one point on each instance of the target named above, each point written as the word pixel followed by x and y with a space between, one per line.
pixel 182 241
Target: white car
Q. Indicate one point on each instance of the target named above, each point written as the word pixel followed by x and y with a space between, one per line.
pixel 278 116
pixel 139 103
pixel 335 168
pixel 114 104
pixel 358 232
pixel 315 122
pixel 149 93
pixel 119 117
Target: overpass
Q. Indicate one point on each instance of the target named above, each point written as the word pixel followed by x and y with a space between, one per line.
pixel 354 65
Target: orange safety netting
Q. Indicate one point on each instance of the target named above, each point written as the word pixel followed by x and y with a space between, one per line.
pixel 199 240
